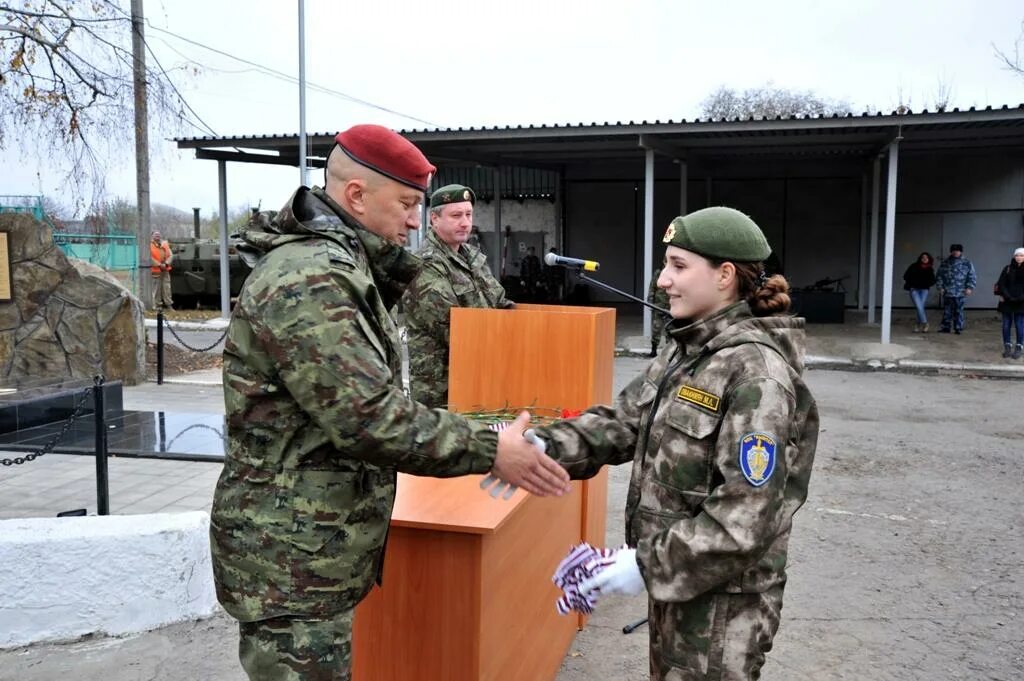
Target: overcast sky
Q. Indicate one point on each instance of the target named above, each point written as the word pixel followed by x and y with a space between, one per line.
pixel 462 63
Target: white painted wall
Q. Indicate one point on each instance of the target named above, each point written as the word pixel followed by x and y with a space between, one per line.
pixel 67 577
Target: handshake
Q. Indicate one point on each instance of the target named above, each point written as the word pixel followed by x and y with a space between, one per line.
pixel 522 462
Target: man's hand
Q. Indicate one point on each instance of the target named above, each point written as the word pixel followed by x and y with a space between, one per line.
pixel 521 463
pixel 969 291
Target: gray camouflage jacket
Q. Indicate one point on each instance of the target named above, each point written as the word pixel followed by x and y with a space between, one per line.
pixel 448 280
pixel 317 423
pixel 721 430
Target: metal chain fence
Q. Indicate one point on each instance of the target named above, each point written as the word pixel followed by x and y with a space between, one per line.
pixel 65 427
pixel 207 348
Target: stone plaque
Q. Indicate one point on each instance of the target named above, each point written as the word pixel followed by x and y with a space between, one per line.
pixel 5 269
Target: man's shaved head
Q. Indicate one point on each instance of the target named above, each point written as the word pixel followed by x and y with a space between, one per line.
pixel 341 169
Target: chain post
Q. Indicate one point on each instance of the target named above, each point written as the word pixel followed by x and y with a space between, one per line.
pixel 160 345
pixel 102 482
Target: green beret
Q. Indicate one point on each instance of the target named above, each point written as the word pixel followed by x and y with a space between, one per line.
pixel 720 233
pixel 452 193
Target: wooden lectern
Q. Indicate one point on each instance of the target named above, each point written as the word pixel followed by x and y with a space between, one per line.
pixel 467 591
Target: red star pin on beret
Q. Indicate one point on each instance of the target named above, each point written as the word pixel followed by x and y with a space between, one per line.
pixel 388 153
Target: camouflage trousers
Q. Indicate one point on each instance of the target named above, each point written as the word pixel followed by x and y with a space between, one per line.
pixel 714 637
pixel 293 649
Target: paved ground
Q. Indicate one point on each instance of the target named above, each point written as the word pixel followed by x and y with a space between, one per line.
pixel 906 561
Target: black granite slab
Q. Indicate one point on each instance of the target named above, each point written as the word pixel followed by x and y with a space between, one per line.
pixel 35 402
pixel 170 435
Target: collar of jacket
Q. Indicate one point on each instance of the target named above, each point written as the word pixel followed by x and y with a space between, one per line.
pixel 313 212
pixel 700 333
pixel 467 257
pixel 737 325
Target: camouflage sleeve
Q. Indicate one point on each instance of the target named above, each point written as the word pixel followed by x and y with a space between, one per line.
pixel 330 356
pixel 972 277
pixel 743 514
pixel 601 436
pixel 940 275
pixel 427 303
pixel 503 303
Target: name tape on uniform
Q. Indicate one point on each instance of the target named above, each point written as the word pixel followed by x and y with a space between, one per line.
pixel 699 397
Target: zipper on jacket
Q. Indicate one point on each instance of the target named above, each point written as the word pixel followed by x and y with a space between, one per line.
pixel 657 400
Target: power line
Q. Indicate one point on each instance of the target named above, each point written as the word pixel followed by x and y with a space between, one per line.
pixel 174 87
pixel 289 78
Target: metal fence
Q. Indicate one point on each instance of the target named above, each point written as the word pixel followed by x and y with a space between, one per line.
pixel 116 253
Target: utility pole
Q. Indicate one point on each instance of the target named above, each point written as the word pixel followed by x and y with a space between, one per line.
pixel 141 149
pixel 303 169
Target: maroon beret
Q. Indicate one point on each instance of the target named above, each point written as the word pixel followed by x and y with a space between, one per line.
pixel 388 153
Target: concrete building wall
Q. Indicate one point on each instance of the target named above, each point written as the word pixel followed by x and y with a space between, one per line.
pixel 811 213
pixel 976 200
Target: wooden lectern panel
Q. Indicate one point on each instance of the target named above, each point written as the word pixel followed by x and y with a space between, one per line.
pixel 467 593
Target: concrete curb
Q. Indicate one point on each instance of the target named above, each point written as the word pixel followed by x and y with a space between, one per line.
pixel 217 325
pixel 902 366
pixel 106 575
pixel 186 380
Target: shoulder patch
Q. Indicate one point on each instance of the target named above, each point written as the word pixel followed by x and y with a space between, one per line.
pixel 700 398
pixel 757 457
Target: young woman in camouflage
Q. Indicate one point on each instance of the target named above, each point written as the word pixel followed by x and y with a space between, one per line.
pixel 721 431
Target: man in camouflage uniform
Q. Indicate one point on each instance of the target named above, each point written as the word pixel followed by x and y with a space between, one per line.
pixel 657 296
pixel 454 274
pixel 317 422
pixel 721 433
pixel 955 280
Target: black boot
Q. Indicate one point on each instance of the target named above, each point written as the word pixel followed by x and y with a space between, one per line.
pixel 654 349
pixel 1017 351
pixel 1007 350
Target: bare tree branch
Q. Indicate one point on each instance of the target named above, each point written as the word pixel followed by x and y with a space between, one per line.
pixel 769 102
pixel 66 86
pixel 1016 62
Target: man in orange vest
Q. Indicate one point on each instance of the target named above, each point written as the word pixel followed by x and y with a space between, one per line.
pixel 161 256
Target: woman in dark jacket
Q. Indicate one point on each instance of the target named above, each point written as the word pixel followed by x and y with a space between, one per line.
pixel 1010 288
pixel 918 279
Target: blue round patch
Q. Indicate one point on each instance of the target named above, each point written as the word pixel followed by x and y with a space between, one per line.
pixel 757 457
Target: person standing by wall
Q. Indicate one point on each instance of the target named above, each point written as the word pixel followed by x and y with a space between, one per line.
pixel 956 280
pixel 161 256
pixel 454 274
pixel 1010 289
pixel 657 296
pixel 918 280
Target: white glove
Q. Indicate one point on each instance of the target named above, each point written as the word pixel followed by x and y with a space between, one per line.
pixel 497 487
pixel 621 577
pixel 530 435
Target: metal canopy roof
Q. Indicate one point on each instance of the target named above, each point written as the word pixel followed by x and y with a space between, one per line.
pixel 553 146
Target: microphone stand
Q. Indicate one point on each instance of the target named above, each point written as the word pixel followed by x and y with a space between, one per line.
pixel 606 287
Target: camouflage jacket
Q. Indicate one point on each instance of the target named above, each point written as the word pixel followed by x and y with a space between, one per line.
pixel 657 296
pixel 722 431
pixel 955 276
pixel 317 422
pixel 448 280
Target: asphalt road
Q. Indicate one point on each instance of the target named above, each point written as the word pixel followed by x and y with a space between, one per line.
pixel 905 562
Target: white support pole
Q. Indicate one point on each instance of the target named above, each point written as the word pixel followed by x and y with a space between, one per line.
pixel 862 270
pixel 498 266
pixel 890 240
pixel 648 233
pixel 873 253
pixel 303 170
pixel 225 279
pixel 683 179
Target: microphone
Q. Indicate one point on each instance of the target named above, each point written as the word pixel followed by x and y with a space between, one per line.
pixel 589 265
